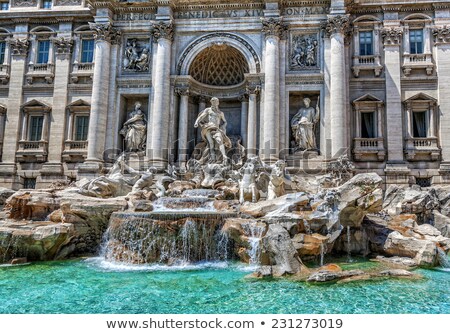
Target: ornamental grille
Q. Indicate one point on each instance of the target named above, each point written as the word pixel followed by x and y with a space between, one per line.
pixel 219 65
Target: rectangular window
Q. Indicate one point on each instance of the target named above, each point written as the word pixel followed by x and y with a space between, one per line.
pixel 366 43
pixel 36 124
pixel 2 52
pixel 81 128
pixel 43 51
pixel 368 129
pixel 4 5
pixel 46 4
pixel 87 51
pixel 29 183
pixel 416 41
pixel 420 126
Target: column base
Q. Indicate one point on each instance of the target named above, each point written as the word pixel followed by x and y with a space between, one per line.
pixel 158 163
pixel 90 169
pixel 444 173
pixel 397 174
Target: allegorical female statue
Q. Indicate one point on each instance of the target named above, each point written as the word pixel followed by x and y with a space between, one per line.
pixel 303 126
pixel 135 130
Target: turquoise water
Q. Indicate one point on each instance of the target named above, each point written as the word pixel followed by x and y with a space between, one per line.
pixel 93 286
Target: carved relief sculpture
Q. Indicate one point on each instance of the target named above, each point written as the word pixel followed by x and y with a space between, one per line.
pixel 442 34
pixel 19 47
pixel 136 57
pixel 135 130
pixel 304 126
pixel 304 52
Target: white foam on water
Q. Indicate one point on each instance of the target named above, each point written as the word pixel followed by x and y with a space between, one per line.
pixel 101 263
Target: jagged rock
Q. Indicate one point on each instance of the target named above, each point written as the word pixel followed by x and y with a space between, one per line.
pixel 413 200
pixel 34 241
pixel 33 205
pixel 278 245
pixel 5 194
pixel 360 195
pixel 328 276
pixel 423 251
pixel 427 230
pixel 310 245
pixel 442 223
pixel 262 272
pixel 396 273
pixel 397 261
pixel 280 205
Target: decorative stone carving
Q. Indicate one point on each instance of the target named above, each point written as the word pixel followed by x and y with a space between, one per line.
pixel 19 47
pixel 135 130
pixel 182 91
pixel 303 126
pixel 163 30
pixel 442 34
pixel 274 27
pixel 24 3
pixel 63 45
pixel 252 181
pixel 213 125
pixel 337 24
pixel 136 57
pixel 105 32
pixel 277 180
pixel 392 36
pixel 252 89
pixel 67 2
pixel 304 52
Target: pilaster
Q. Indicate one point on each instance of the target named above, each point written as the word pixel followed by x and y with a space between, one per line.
pixel 158 152
pixel 19 46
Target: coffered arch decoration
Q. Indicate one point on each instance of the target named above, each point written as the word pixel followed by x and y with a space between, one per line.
pixel 219 65
pixel 216 39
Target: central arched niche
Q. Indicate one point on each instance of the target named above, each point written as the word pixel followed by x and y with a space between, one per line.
pixel 219 65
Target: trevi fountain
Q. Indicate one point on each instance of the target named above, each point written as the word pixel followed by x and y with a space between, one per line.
pixel 225 233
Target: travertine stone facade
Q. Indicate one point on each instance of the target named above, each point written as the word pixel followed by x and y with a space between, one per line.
pixel 71 75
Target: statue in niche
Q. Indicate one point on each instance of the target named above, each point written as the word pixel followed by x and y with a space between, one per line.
pixel 135 130
pixel 136 59
pixel 213 125
pixel 304 52
pixel 304 126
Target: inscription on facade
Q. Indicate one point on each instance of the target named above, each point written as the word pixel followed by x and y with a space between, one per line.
pixel 306 11
pixel 212 14
pixel 134 17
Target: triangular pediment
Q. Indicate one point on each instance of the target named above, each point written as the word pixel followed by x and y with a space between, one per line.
pixel 36 104
pixel 421 97
pixel 79 103
pixel 367 98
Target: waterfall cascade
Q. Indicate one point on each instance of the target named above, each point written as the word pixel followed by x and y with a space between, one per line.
pixel 158 238
pixel 254 233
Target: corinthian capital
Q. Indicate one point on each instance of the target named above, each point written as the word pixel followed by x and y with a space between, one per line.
pixel 105 32
pixel 63 45
pixel 163 30
pixel 182 91
pixel 19 47
pixel 392 36
pixel 337 24
pixel 274 27
pixel 441 35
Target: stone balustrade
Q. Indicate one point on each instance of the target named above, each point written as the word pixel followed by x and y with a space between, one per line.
pixel 75 150
pixel 40 71
pixel 82 70
pixel 372 62
pixel 369 149
pixel 422 149
pixel 418 61
pixel 32 151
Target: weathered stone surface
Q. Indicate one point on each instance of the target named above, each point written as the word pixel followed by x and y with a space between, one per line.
pixel 310 245
pixel 397 261
pixel 5 194
pixel 328 276
pixel 278 245
pixel 280 205
pixel 34 241
pixel 396 273
pixel 442 223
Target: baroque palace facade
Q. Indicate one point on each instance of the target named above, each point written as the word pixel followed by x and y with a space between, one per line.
pixel 307 81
